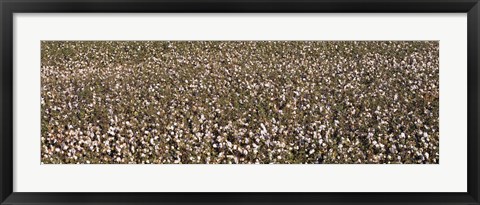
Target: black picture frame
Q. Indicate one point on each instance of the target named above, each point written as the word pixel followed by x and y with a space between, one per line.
pixel 9 7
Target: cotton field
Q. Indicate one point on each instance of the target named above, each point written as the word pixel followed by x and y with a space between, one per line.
pixel 239 102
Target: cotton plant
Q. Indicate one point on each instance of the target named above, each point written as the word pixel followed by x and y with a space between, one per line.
pixel 239 102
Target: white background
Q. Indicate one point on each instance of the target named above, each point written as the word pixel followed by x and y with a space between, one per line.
pixel 448 176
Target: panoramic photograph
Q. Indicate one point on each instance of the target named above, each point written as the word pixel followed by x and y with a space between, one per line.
pixel 239 102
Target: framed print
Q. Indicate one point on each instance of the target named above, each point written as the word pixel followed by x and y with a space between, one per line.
pixel 241 102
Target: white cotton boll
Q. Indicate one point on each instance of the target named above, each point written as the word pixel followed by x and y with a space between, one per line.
pixel 370 135
pixel 264 130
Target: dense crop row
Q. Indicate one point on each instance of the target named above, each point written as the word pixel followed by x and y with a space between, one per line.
pixel 240 102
